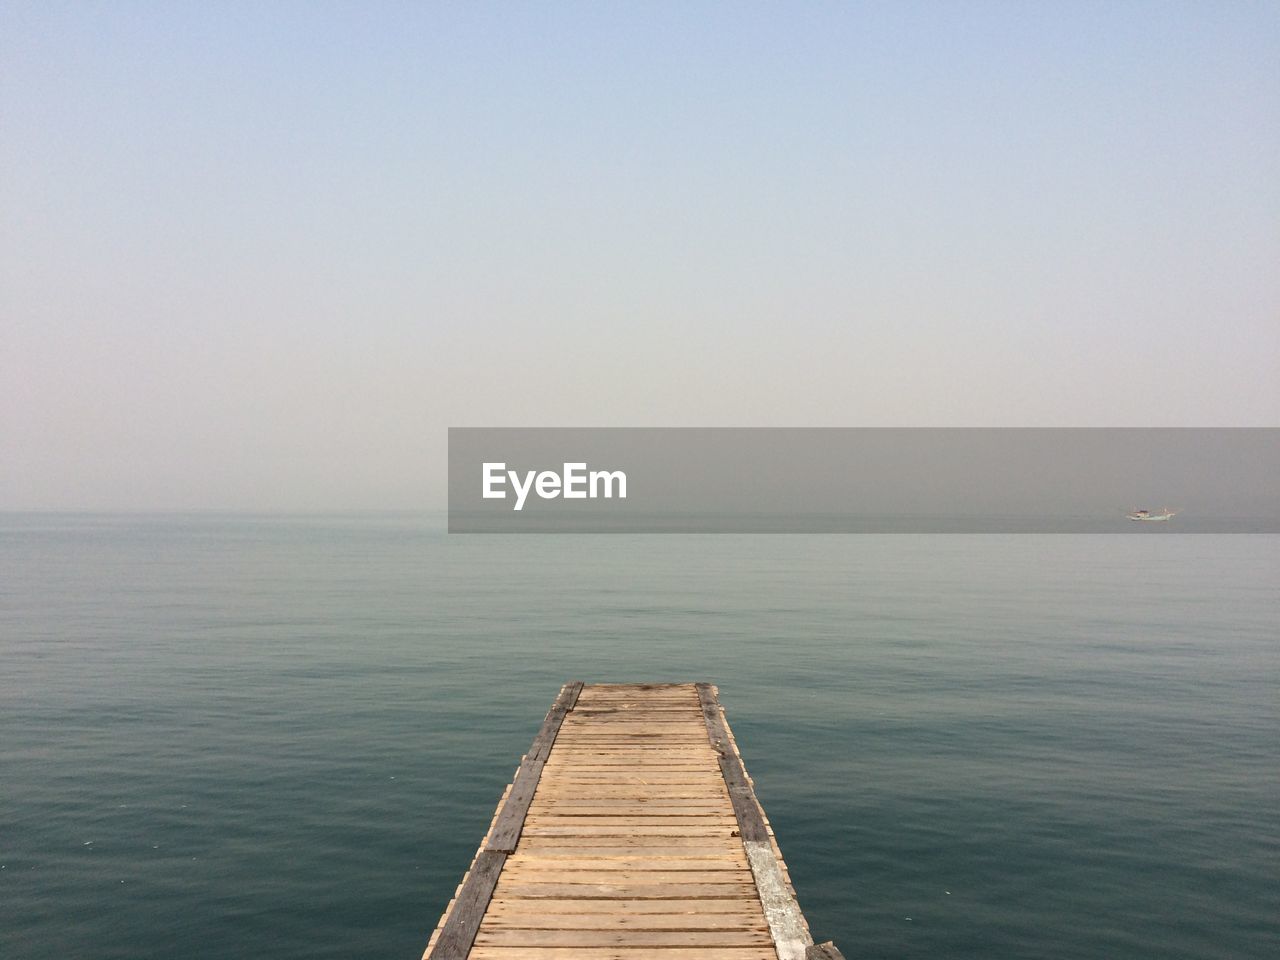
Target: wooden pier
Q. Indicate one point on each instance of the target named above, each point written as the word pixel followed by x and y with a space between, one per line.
pixel 630 832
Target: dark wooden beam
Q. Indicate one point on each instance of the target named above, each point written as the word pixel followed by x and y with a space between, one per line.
pixel 510 823
pixel 750 823
pixel 507 828
pixel 546 737
pixel 459 932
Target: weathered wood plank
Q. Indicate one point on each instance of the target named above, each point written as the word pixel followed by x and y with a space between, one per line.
pixel 786 924
pixel 624 863
pixel 676 829
pixel 569 905
pixel 640 760
pixel 656 741
pixel 642 844
pixel 548 819
pixel 718 802
pixel 750 823
pixel 697 748
pixel 630 891
pixel 790 933
pixel 506 831
pixel 460 928
pixel 580 875
pixel 555 717
pixel 574 692
pixel 640 780
pixel 609 847
pixel 621 938
pixel 669 806
pixel 742 920
pixel 622 953
pixel 655 791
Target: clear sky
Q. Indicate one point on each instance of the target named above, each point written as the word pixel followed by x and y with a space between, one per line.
pixel 261 255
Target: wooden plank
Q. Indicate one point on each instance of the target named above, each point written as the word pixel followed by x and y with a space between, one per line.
pixel 621 938
pixel 624 863
pixel 610 725
pixel 460 929
pixel 637 704
pixel 616 754
pixel 647 806
pixel 528 890
pixel 708 819
pixel 741 795
pixel 686 737
pixel 623 807
pixel 675 728
pixel 625 705
pixel 592 759
pixel 575 691
pixel 605 713
pixel 622 953
pixel 571 750
pixel 666 732
pixel 622 907
pixel 594 768
pixel 676 829
pixel 653 813
pixel 653 790
pixel 555 717
pixel 592 839
pixel 664 792
pixel 790 933
pixel 624 877
pixel 641 761
pixel 661 743
pixel 719 801
pixel 639 779
pixel 742 920
pixel 609 847
pixel 506 831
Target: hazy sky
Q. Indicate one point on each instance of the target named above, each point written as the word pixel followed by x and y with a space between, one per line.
pixel 261 255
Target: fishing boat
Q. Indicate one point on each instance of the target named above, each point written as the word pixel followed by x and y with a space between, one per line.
pixel 1164 514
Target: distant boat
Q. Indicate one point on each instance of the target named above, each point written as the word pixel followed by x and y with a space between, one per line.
pixel 1165 514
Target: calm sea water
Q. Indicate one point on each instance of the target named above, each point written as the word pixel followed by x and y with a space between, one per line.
pixel 226 737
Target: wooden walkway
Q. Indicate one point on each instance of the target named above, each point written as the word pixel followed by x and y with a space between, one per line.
pixel 630 832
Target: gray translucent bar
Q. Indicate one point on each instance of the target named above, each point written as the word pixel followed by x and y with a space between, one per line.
pixel 855 480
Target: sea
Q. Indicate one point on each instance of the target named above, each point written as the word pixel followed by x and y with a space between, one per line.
pixel 232 736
